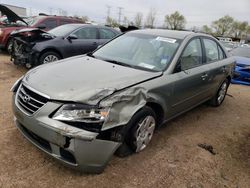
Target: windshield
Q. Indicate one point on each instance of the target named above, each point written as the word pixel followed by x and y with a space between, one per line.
pixel 140 50
pixel 63 30
pixel 241 51
pixel 32 20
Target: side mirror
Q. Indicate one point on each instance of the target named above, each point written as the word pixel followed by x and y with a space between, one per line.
pixel 72 37
pixel 41 26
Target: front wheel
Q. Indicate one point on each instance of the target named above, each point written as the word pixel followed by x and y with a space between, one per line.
pixel 9 46
pixel 220 95
pixel 49 57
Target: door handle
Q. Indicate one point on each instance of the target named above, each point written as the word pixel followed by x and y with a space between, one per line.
pixel 204 76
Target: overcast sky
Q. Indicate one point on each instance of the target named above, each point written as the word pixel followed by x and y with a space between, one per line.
pixel 196 12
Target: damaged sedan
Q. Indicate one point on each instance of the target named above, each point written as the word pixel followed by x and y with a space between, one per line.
pixel 32 47
pixel 83 109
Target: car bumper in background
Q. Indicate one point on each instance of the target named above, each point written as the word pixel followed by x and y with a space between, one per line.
pixel 241 76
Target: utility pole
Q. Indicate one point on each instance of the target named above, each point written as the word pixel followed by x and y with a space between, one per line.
pixel 108 11
pixel 120 14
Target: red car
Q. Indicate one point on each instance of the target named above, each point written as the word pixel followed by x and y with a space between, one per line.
pixel 15 23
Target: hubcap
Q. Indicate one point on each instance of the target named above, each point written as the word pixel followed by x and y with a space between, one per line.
pixel 50 58
pixel 144 132
pixel 222 92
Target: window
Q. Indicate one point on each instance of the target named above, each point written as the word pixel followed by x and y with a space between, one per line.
pixel 192 55
pixel 221 53
pixel 86 33
pixel 106 34
pixel 211 49
pixel 50 23
pixel 62 22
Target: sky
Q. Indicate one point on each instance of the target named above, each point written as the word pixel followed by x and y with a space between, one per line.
pixel 196 12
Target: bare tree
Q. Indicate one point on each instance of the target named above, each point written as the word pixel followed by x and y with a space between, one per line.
pixel 175 21
pixel 239 29
pixel 150 20
pixel 138 19
pixel 223 25
pixel 206 29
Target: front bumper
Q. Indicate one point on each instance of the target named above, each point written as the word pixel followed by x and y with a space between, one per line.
pixel 74 147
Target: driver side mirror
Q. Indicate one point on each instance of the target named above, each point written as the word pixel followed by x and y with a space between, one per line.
pixel 72 37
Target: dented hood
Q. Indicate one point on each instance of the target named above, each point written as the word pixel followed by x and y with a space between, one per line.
pixel 84 79
pixel 12 17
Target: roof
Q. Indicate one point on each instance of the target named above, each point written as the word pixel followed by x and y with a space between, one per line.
pixel 165 33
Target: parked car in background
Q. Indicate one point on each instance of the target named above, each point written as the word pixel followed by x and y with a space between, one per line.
pixel 15 22
pixel 32 47
pixel 230 45
pixel 242 68
pixel 83 109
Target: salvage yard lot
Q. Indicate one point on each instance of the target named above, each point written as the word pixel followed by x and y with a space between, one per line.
pixel 173 159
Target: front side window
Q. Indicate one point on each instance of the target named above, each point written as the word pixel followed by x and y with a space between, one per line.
pixel 141 51
pixel 211 49
pixel 50 23
pixel 86 33
pixel 192 55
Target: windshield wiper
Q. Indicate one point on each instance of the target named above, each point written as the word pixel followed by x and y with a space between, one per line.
pixel 90 54
pixel 118 63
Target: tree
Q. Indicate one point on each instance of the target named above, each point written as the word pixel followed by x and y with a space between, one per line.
pixel 223 25
pixel 206 29
pixel 239 29
pixel 150 21
pixel 138 19
pixel 111 22
pixel 85 19
pixel 175 21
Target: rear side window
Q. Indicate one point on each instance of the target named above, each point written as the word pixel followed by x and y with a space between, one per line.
pixel 221 53
pixel 106 34
pixel 62 22
pixel 192 55
pixel 211 49
pixel 86 33
pixel 50 23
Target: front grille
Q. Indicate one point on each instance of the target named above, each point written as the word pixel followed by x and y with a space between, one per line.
pixel 29 101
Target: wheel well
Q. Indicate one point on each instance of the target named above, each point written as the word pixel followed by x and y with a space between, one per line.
pixel 159 112
pixel 50 50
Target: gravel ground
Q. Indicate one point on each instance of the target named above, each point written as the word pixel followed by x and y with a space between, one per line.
pixel 173 159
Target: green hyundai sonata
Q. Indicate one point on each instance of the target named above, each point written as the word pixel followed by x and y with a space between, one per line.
pixel 83 109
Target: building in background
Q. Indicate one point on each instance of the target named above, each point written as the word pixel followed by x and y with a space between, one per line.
pixel 21 11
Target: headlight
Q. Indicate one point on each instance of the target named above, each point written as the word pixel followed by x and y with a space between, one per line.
pixel 81 113
pixel 16 84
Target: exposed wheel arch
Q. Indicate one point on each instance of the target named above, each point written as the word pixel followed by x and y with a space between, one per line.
pixel 50 50
pixel 157 108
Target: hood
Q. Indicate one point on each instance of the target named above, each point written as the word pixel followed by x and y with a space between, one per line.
pixel 84 79
pixel 12 17
pixel 242 61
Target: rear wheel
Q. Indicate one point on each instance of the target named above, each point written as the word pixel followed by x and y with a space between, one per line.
pixel 218 99
pixel 49 57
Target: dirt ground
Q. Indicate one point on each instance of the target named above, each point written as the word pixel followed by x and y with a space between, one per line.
pixel 173 159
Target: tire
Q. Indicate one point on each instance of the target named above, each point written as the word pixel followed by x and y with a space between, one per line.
pixel 9 46
pixel 139 134
pixel 218 99
pixel 49 57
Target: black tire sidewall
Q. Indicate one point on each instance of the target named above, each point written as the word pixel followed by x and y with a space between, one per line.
pixel 133 125
pixel 44 55
pixel 215 98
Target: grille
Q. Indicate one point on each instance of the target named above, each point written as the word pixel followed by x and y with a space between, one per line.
pixel 29 101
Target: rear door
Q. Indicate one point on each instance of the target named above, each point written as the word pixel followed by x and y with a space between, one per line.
pixel 105 35
pixel 191 85
pixel 216 63
pixel 86 41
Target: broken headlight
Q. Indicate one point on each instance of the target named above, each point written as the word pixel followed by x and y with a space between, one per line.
pixel 81 113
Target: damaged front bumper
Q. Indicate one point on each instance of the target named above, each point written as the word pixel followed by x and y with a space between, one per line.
pixel 74 147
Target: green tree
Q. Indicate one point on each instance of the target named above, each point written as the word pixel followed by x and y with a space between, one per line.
pixel 206 29
pixel 223 25
pixel 175 21
pixel 239 29
pixel 138 19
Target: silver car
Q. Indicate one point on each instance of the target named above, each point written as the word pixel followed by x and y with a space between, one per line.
pixel 84 109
